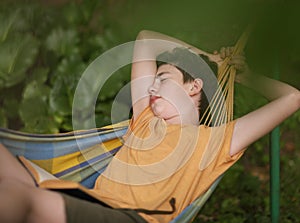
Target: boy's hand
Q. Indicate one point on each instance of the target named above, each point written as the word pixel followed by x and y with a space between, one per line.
pixel 226 52
pixel 237 61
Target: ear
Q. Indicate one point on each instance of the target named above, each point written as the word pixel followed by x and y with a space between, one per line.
pixel 196 87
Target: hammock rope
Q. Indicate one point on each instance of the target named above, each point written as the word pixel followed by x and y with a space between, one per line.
pixel 220 110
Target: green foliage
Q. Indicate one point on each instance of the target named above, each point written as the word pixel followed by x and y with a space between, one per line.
pixel 43 54
pixel 44 51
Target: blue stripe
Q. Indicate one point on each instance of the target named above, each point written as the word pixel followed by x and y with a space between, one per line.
pixel 48 150
pixel 89 182
pixel 88 162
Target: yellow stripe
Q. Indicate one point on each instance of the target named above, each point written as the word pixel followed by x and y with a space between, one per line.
pixel 61 163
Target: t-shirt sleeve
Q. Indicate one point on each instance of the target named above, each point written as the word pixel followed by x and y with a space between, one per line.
pixel 216 152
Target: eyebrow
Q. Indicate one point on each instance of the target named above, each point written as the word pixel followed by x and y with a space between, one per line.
pixel 162 73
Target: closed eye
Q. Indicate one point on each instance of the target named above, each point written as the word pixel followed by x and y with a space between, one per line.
pixel 163 76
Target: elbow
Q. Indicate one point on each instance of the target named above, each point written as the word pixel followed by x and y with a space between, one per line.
pixel 143 34
pixel 297 98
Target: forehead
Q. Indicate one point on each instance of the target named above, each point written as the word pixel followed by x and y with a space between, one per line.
pixel 168 69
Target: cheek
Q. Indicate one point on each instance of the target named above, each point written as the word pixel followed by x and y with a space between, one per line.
pixel 168 86
pixel 176 98
pixel 169 106
pixel 164 108
pixel 172 92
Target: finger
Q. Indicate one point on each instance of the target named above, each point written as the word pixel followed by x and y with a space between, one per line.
pixel 238 58
pixel 241 67
pixel 223 52
pixel 228 51
pixel 238 65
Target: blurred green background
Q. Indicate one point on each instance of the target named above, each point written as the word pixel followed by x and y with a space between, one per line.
pixel 46 45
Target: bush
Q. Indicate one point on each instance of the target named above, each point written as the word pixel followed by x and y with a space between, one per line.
pixel 43 54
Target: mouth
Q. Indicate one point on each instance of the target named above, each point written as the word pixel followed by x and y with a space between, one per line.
pixel 153 99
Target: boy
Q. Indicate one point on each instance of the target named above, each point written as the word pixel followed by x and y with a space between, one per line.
pixel 167 159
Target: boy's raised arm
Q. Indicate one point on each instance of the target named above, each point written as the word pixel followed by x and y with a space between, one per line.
pixel 285 100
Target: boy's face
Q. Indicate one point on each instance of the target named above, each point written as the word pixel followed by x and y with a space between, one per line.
pixel 169 96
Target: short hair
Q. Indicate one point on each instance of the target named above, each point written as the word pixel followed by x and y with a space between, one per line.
pixel 183 58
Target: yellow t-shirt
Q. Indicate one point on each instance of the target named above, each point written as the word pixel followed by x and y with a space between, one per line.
pixel 160 161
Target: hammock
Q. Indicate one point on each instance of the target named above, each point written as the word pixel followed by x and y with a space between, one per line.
pixel 82 156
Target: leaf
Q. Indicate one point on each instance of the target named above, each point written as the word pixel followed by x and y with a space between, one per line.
pixel 71 69
pixel 16 56
pixel 35 89
pixel 3 119
pixel 26 50
pixel 63 42
pixel 34 113
pixel 33 108
pixel 10 22
pixel 42 125
pixel 73 13
pixel 111 86
pixel 11 106
pixel 6 22
pixel 105 41
pixel 102 120
pixel 59 100
pixel 39 75
pixel 67 124
pixel 68 74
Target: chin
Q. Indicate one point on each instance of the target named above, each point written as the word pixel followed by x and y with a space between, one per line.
pixel 164 112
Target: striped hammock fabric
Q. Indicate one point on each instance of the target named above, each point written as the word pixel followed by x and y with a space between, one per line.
pixel 77 156
pixel 80 156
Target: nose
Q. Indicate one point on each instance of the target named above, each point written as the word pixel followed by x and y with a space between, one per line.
pixel 152 90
